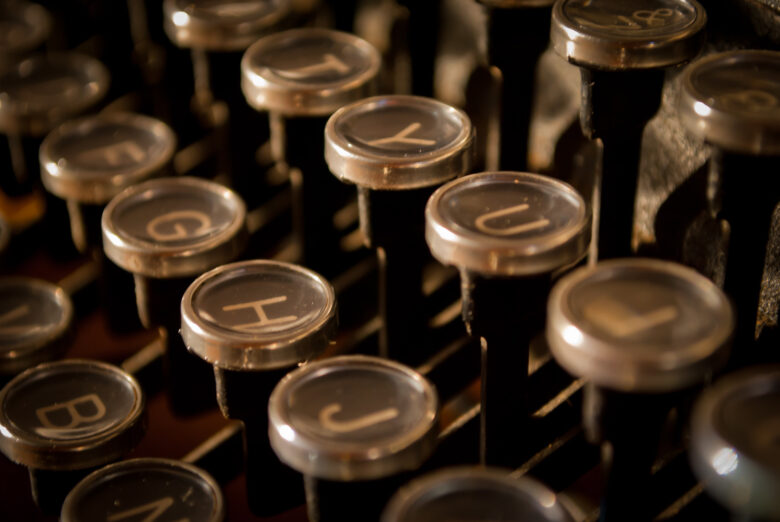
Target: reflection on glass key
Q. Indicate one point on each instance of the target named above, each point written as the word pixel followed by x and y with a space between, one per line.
pixel 352 425
pixel 645 333
pixel 24 26
pixel 35 323
pixel 64 419
pixel 154 488
pixel 735 442
pixel 476 495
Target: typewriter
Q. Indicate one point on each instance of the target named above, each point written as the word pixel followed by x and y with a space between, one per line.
pixel 389 260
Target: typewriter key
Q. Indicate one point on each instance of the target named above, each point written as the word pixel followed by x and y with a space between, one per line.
pixel 474 494
pixel 66 418
pixel 644 333
pixel 37 94
pixel 354 426
pixel 397 150
pixel 216 33
pixel 508 233
pixel 518 32
pixel 222 25
pixel 621 49
pixel 734 442
pixel 300 77
pixel 161 489
pixel 35 323
pixel 89 161
pixel 254 321
pixel 731 101
pixel 25 27
pixel 166 232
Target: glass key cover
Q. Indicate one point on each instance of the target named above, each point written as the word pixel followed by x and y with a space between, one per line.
pixel 92 159
pixel 353 418
pixel 308 72
pixel 620 35
pixel 398 142
pixel 258 315
pixel 732 100
pixel 158 489
pixel 639 325
pixel 174 227
pixel 70 414
pixel 35 319
pixel 507 223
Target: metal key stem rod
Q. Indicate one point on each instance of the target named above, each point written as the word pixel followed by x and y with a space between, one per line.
pixel 517 37
pixel 506 313
pixel 616 106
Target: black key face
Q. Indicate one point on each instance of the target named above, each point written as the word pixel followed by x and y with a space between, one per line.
pixel 282 309
pixel 70 413
pixel 33 313
pixel 61 406
pixel 173 219
pixel 95 158
pixel 506 221
pixel 398 142
pixel 109 146
pixel 662 323
pixel 635 19
pixel 146 489
pixel 23 27
pixel 474 495
pixel 397 130
pixel 308 71
pixel 41 85
pixel 310 60
pixel 349 406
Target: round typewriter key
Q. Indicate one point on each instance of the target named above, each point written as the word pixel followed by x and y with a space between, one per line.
pixel 518 32
pixel 644 333
pixel 221 25
pixel 63 419
pixel 44 90
pixel 35 323
pixel 254 321
pixel 622 49
pixel 24 26
pixel 474 494
pixel 300 77
pixel 508 233
pixel 154 487
pixel 37 94
pixel 89 161
pixel 397 150
pixel 166 232
pixel 354 426
pixel 731 101
pixel 734 442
